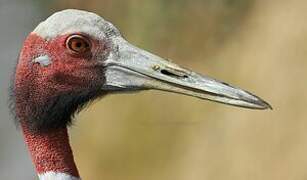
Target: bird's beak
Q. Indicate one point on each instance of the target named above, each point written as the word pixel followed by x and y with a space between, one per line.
pixel 132 69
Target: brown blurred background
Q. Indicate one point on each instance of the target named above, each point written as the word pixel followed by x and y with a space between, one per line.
pixel 258 45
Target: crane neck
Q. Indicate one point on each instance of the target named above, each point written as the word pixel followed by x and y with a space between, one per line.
pixel 51 153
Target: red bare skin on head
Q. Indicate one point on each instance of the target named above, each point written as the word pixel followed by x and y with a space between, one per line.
pixel 67 72
pixel 37 86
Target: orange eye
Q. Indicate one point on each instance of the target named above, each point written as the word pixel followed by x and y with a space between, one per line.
pixel 78 44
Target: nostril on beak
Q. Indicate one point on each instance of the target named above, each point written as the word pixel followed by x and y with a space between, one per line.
pixel 173 74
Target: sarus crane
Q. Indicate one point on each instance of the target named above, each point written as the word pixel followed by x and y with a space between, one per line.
pixel 74 57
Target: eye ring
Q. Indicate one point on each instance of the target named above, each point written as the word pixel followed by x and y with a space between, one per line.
pixel 78 44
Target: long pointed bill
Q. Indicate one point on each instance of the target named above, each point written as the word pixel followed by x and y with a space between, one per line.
pixel 134 69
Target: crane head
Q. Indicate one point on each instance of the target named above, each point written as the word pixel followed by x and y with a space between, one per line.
pixel 76 56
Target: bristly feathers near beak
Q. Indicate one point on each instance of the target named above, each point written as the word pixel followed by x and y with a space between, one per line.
pixel 134 69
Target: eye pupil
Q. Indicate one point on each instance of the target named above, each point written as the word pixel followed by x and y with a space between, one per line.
pixel 78 44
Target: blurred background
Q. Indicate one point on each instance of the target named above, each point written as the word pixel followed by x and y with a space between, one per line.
pixel 258 45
